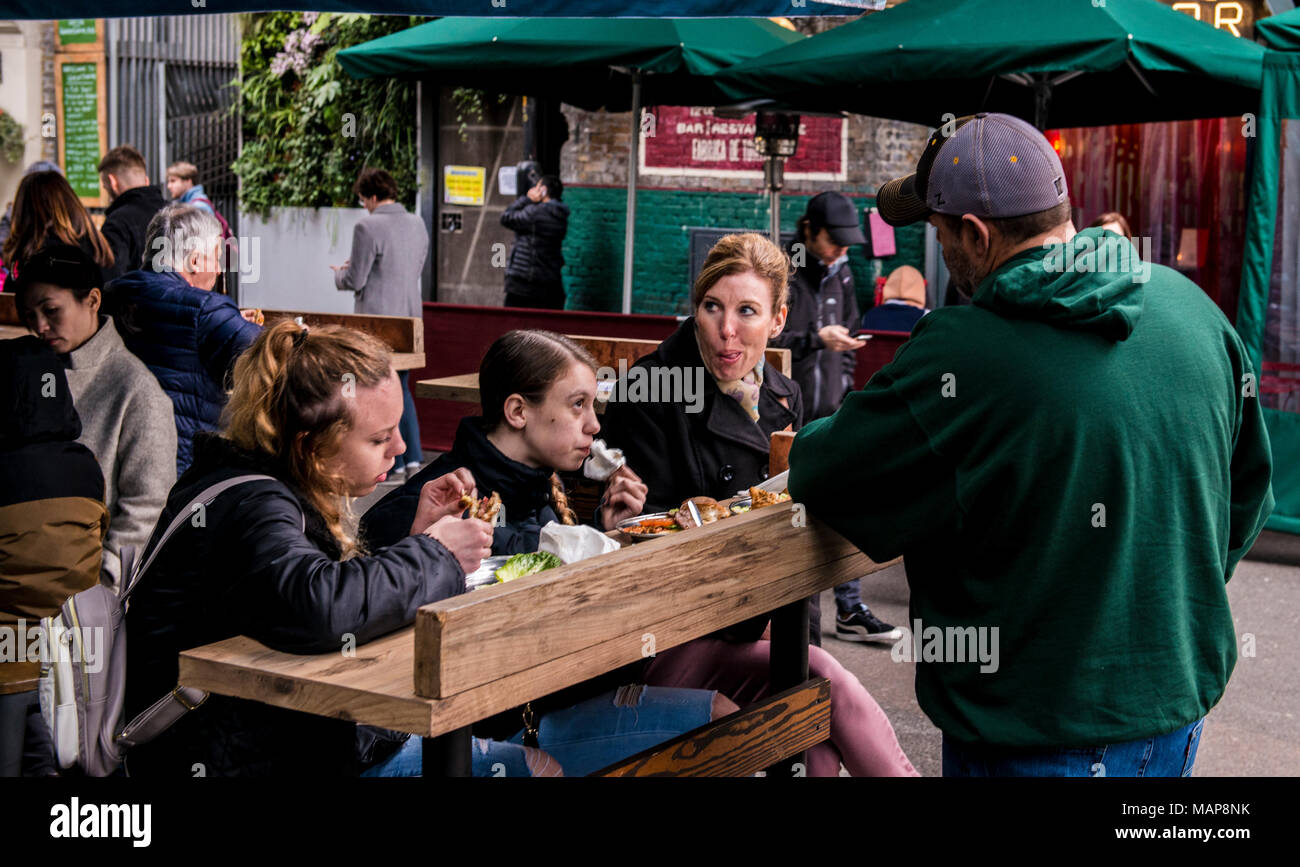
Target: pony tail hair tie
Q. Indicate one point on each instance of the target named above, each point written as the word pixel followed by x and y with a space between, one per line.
pixel 301 336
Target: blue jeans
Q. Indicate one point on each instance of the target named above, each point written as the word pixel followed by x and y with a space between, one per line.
pixel 584 738
pixel 488 759
pixel 848 596
pixel 409 426
pixel 1170 755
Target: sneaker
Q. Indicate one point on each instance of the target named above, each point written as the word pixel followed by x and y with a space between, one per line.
pixel 397 474
pixel 412 468
pixel 861 625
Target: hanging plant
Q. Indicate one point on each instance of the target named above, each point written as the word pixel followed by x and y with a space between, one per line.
pixel 12 139
pixel 309 127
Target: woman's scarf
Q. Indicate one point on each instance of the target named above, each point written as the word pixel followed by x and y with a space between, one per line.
pixel 745 390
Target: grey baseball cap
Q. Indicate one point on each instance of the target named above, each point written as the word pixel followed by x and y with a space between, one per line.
pixel 989 165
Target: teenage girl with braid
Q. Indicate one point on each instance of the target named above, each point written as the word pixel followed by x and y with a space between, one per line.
pixel 538 395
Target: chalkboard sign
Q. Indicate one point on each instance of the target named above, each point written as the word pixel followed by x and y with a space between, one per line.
pixel 80 87
pixel 76 31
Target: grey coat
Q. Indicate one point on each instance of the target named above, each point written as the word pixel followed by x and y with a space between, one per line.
pixel 126 420
pixel 389 247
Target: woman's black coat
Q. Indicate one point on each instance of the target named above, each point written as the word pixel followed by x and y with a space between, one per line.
pixel 246 567
pixel 714 452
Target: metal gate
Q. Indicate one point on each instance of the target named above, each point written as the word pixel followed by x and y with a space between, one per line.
pixel 169 94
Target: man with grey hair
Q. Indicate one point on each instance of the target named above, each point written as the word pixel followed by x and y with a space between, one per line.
pixel 1071 466
pixel 187 335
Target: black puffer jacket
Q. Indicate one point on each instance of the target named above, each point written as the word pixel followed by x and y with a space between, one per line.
pixel 250 569
pixel 824 376
pixel 539 229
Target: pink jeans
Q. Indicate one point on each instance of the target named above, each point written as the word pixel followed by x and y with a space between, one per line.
pixel 861 736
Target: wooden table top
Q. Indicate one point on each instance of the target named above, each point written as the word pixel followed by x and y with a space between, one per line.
pixel 758 562
pixel 462 388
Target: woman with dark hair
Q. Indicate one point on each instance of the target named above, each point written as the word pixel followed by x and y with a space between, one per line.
pixel 126 419
pixel 279 560
pixel 721 445
pixel 47 211
pixel 538 395
pixel 389 247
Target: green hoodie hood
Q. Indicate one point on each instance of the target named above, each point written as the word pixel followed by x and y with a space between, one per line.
pixel 1093 282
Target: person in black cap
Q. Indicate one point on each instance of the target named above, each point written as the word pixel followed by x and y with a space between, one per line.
pixel 1074 463
pixel 126 418
pixel 823 352
pixel 823 303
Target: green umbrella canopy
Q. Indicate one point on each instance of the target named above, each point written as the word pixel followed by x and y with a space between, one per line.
pixel 1125 61
pixel 573 59
pixel 1282 31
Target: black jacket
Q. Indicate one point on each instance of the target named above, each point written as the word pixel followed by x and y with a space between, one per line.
pixel 52 514
pixel 249 569
pixel 539 229
pixel 713 453
pixel 525 494
pixel 824 376
pixel 526 505
pixel 125 223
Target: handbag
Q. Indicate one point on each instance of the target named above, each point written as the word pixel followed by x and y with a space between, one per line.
pixel 81 693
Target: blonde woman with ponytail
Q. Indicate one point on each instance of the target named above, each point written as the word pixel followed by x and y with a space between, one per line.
pixel 538 395
pixel 278 559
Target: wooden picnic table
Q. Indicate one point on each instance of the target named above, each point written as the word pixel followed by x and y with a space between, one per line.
pixel 483 652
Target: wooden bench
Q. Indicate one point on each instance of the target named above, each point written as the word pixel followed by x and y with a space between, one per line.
pixel 404 335
pixel 484 652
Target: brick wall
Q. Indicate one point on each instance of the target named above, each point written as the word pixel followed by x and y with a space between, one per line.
pixel 593 247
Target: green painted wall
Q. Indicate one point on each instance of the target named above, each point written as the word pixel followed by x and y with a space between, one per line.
pixel 593 247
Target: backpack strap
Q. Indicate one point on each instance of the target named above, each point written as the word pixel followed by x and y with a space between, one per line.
pixel 205 497
pixel 163 713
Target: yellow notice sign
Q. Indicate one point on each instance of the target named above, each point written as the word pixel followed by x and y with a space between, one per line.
pixel 463 185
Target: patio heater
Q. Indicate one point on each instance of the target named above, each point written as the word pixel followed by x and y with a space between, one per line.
pixel 776 137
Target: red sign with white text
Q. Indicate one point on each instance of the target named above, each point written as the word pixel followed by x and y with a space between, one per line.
pixel 681 140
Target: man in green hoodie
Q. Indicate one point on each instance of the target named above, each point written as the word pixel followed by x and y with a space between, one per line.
pixel 1071 467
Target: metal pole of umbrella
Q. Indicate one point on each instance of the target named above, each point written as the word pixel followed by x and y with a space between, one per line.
pixel 629 252
pixel 775 172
